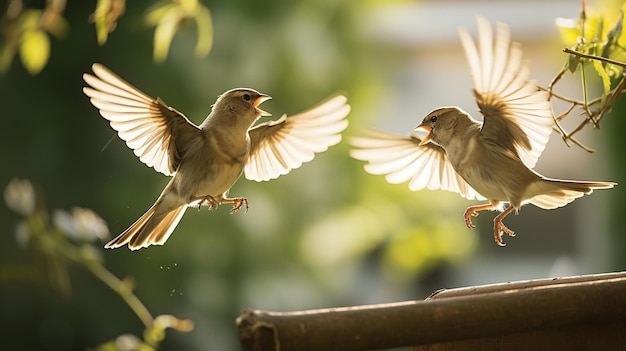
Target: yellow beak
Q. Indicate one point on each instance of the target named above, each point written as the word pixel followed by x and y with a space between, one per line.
pixel 424 129
pixel 259 101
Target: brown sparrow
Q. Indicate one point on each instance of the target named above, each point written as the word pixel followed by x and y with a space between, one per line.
pixel 491 160
pixel 206 160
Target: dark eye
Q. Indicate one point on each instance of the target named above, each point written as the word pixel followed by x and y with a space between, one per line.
pixel 246 97
pixel 433 119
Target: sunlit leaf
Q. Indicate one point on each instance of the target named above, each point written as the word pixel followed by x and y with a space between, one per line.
pixel 205 32
pixel 100 19
pixel 189 6
pixel 618 55
pixel 34 50
pixel 571 30
pixel 164 33
pixel 622 36
pixel 167 17
pixel 613 35
pixel 606 80
pixel 105 17
pixel 30 19
pixel 157 12
pixel 593 28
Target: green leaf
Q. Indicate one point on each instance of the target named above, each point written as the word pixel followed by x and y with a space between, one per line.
pixel 606 80
pixel 205 32
pixel 572 63
pixel 164 33
pixel 34 50
pixel 30 19
pixel 157 12
pixel 100 19
pixel 613 36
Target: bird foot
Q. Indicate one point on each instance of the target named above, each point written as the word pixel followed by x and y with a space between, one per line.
pixel 472 211
pixel 498 229
pixel 469 213
pixel 206 200
pixel 238 203
pixel 498 226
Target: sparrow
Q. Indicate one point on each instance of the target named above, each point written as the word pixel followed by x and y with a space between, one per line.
pixel 205 161
pixel 489 160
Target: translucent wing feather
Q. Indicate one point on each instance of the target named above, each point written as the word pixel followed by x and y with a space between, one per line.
pixel 511 104
pixel 402 159
pixel 277 147
pixel 155 132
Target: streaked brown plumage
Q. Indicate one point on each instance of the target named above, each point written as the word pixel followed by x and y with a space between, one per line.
pixel 492 160
pixel 206 160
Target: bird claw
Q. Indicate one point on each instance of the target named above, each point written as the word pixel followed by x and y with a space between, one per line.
pixel 498 226
pixel 238 203
pixel 469 213
pixel 206 200
pixel 498 229
pixel 472 211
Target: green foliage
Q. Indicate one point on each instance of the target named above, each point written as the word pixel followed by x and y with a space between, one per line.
pixel 168 17
pixel 28 31
pixel 105 17
pixel 67 238
pixel 596 40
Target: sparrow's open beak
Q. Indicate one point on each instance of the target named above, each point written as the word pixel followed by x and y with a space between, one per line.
pixel 259 101
pixel 421 130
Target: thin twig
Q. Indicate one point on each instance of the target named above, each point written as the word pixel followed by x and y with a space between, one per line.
pixel 594 57
pixel 113 282
pixel 124 291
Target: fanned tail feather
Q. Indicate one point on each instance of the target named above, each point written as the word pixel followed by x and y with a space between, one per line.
pixel 562 192
pixel 153 228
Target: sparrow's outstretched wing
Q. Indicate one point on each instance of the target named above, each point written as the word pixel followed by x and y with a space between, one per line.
pixel 157 133
pixel 518 116
pixel 276 147
pixel 403 159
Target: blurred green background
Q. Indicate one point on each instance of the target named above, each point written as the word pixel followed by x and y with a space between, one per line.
pixel 325 235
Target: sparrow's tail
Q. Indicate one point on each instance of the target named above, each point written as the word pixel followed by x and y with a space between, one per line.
pixel 555 193
pixel 153 228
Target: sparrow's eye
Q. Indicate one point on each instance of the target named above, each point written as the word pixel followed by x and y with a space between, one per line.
pixel 246 97
pixel 433 119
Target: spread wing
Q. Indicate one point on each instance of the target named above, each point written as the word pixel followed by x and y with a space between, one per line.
pixel 157 133
pixel 518 116
pixel 276 147
pixel 403 159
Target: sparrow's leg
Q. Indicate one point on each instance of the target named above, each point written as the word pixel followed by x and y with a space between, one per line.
pixel 472 211
pixel 499 227
pixel 208 200
pixel 237 202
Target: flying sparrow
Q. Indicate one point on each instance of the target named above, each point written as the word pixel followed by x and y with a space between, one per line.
pixel 206 160
pixel 491 160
